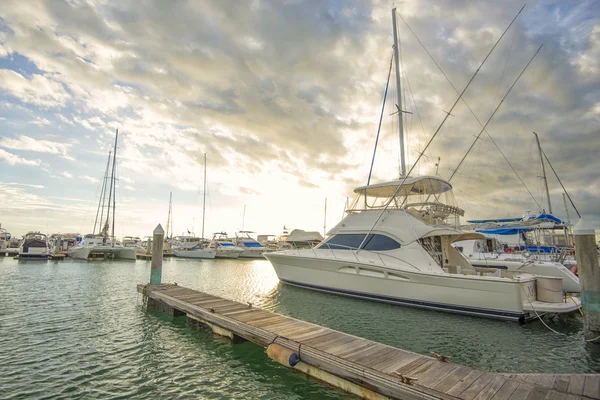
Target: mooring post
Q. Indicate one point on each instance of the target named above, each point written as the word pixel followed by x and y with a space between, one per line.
pixel 589 278
pixel 157 255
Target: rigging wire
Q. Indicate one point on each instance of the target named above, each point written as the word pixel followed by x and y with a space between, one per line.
pixel 468 107
pixel 438 130
pixel 561 184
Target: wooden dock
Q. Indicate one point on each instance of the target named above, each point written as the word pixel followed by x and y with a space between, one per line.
pixel 363 367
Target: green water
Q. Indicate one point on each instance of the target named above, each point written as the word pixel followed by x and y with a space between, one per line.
pixel 78 330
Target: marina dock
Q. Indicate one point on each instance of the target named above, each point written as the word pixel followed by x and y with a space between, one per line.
pixel 360 366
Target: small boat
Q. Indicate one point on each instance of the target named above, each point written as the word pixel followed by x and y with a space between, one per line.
pixel 489 253
pixel 224 246
pixel 196 251
pixel 251 248
pixel 101 245
pixel 34 246
pixel 135 243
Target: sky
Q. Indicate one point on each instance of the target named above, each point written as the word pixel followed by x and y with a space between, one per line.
pixel 284 98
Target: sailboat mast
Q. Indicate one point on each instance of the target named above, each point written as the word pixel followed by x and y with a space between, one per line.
pixel 543 172
pixel 102 196
pixel 114 183
pixel 204 197
pixel 244 217
pixel 169 217
pixel 399 94
pixel 325 219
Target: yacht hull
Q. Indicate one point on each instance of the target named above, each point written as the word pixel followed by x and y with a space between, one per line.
pixel 202 253
pixel 228 253
pixel 498 298
pixel 118 253
pixel 252 253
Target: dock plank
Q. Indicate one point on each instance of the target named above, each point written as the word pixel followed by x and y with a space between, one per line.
pixel 576 385
pixel 522 391
pixel 506 390
pixel 491 388
pixel 591 387
pixel 464 383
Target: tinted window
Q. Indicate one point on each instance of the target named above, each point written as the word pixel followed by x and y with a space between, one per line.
pixel 353 241
pixel 344 242
pixel 380 243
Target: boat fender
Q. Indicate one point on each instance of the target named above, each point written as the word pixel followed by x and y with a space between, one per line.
pixel 282 355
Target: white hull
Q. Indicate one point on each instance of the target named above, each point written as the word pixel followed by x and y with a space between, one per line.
pixel 118 253
pixel 199 253
pixel 224 252
pixel 253 252
pixel 500 298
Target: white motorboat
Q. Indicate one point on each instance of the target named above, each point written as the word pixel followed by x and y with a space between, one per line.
pixel 135 243
pixel 486 253
pixel 251 248
pixel 195 252
pixel 61 242
pixel 34 246
pixel 101 245
pixel 395 246
pixel 224 246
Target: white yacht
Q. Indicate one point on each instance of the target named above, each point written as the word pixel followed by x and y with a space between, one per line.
pixel 490 253
pixel 101 245
pixel 135 243
pixel 224 246
pixel 191 247
pixel 34 245
pixel 251 247
pixel 395 246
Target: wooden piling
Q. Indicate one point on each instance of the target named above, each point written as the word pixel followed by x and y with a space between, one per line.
pixel 157 255
pixel 589 277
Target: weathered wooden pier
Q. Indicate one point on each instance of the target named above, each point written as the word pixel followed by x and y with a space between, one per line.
pixel 363 367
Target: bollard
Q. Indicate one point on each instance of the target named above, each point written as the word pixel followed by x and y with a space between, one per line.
pixel 157 255
pixel 589 278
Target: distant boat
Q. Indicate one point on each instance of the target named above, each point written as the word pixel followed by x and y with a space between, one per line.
pixel 251 247
pixel 134 242
pixel 34 245
pixel 224 246
pixel 101 245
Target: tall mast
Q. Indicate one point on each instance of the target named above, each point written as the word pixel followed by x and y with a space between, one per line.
pixel 399 94
pixel 544 173
pixel 325 219
pixel 114 183
pixel 102 196
pixel 204 197
pixel 169 217
pixel 244 217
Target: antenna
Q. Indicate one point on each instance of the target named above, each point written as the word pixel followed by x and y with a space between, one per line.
pixel 399 94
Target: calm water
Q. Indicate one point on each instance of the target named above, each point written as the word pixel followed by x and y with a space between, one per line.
pixel 78 330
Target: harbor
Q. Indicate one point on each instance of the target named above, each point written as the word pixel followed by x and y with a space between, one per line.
pixel 354 209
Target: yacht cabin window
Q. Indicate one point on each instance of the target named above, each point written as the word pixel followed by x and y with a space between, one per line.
pixel 374 242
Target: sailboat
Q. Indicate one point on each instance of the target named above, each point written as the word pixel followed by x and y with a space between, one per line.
pixel 198 250
pixel 101 245
pixel 395 246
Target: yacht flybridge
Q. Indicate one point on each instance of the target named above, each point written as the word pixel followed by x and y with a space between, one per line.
pixel 395 245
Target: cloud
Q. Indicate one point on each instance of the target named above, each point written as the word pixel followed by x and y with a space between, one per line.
pixel 38 145
pixel 22 184
pixel 89 179
pixel 13 159
pixel 67 175
pixel 39 90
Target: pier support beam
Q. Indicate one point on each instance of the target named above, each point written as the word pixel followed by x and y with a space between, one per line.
pixel 157 255
pixel 589 275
